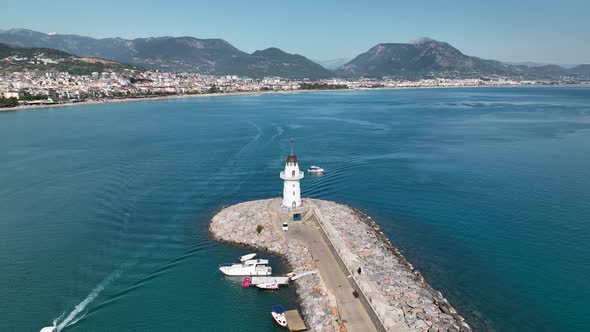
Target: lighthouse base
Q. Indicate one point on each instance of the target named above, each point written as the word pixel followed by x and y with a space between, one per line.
pixel 292 205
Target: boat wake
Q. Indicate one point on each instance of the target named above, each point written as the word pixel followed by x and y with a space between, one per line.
pixel 82 310
pixel 78 313
pixel 140 282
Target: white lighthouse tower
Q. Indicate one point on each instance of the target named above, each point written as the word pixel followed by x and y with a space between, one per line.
pixel 291 175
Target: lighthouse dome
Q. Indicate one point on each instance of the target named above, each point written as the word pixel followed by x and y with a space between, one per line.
pixel 292 159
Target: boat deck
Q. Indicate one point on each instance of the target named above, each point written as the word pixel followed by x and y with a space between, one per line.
pixel 282 281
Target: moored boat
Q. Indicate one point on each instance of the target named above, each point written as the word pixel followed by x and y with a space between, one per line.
pixel 247 257
pixel 253 267
pixel 278 314
pixel 246 282
pixel 269 285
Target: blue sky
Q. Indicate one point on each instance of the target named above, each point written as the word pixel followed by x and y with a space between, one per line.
pixel 518 30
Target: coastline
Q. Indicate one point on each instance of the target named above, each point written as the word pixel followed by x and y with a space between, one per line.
pixel 256 93
pixel 392 295
pixel 126 100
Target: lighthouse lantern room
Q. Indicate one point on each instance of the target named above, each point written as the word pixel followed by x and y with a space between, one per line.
pixel 291 176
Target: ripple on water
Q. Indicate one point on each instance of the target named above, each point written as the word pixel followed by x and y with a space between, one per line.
pixel 473 185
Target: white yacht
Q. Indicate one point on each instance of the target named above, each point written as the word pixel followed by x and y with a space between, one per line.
pixel 252 267
pixel 315 170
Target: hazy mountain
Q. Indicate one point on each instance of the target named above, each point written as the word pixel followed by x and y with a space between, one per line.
pixel 539 64
pixel 422 58
pixel 333 63
pixel 15 58
pixel 581 71
pixel 180 54
pixel 275 62
pixel 527 63
pixel 547 71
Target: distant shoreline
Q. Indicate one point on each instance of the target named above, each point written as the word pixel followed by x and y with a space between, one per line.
pixel 125 100
pixel 252 93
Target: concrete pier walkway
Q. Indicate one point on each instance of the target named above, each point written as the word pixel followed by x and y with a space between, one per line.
pixel 352 313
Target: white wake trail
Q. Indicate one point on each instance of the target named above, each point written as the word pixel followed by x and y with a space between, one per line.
pixel 71 318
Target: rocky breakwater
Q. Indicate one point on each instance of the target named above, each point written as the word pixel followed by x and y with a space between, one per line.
pixel 256 224
pixel 396 292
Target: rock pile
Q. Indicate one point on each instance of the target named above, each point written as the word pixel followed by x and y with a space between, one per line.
pixel 238 223
pixel 397 292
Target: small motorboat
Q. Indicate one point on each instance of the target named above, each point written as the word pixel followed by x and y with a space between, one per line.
pixel 278 314
pixel 268 285
pixel 247 257
pixel 246 282
pixel 49 329
pixel 315 170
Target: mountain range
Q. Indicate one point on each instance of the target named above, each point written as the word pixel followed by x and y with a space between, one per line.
pixel 431 58
pixel 419 59
pixel 178 54
pixel 15 58
pixel 425 57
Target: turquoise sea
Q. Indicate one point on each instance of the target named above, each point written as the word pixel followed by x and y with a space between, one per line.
pixel 105 208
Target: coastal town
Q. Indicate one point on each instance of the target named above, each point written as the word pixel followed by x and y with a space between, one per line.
pixel 18 89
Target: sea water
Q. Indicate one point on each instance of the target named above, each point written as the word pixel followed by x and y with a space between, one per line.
pixel 105 208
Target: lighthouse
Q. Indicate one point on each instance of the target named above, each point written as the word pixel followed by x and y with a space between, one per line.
pixel 291 176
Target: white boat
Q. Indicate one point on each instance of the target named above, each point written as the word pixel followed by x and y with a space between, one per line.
pixel 253 267
pixel 315 170
pixel 269 285
pixel 278 314
pixel 247 257
pixel 282 281
pixel 49 329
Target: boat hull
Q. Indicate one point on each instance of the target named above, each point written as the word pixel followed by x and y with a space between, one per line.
pixel 268 286
pixel 246 271
pixel 49 329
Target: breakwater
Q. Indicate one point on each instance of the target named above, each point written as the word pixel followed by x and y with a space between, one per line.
pixel 238 224
pixel 394 294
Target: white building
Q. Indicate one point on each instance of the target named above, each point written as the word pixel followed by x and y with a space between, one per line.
pixel 291 176
pixel 12 94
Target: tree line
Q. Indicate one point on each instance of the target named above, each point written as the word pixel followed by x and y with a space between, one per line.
pixel 8 102
pixel 322 86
